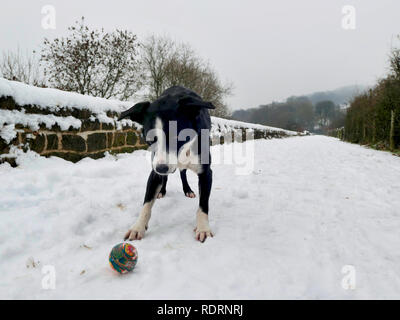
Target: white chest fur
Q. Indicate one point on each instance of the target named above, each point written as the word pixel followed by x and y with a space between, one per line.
pixel 188 158
pixel 189 161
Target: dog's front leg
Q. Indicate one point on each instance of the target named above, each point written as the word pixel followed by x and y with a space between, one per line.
pixel 203 228
pixel 154 184
pixel 186 188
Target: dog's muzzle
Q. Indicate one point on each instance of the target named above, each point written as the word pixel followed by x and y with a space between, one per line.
pixel 162 169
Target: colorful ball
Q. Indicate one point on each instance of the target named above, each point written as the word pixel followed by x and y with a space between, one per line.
pixel 123 257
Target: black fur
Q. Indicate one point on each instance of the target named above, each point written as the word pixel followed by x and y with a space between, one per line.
pixel 185 184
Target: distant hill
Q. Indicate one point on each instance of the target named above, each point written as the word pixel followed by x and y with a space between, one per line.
pixel 300 113
pixel 338 96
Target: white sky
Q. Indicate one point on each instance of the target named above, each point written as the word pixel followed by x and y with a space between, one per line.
pixel 268 49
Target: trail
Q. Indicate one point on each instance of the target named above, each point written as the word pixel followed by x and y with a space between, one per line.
pixel 310 206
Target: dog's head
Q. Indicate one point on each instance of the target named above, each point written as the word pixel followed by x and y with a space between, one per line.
pixel 171 124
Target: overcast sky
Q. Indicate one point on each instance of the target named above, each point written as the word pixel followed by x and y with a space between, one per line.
pixel 269 49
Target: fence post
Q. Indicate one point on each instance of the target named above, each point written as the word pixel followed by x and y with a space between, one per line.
pixel 364 131
pixel 391 141
pixel 373 131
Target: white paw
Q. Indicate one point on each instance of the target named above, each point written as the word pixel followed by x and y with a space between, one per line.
pixel 160 195
pixel 203 234
pixel 136 232
pixel 203 229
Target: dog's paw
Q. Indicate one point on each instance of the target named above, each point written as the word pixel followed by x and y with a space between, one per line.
pixel 202 230
pixel 203 234
pixel 136 232
pixel 190 194
pixel 160 195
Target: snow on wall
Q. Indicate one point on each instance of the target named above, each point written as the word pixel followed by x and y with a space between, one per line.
pixel 87 126
pixel 54 99
pixel 33 121
pixel 224 126
pixel 7 132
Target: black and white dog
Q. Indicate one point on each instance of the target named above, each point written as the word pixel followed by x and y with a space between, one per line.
pixel 176 126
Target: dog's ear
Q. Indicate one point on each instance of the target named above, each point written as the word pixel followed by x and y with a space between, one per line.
pixel 136 113
pixel 189 101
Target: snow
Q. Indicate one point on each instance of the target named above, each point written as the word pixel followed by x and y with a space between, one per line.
pixel 33 121
pixel 53 99
pixel 310 206
pixel 221 126
pixel 127 122
pixel 7 132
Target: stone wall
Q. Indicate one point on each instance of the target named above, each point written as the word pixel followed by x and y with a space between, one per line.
pixel 92 139
pixel 72 126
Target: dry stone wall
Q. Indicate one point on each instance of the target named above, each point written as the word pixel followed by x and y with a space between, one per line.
pixel 92 139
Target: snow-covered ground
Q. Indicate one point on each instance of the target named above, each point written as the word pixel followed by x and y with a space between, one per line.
pixel 310 206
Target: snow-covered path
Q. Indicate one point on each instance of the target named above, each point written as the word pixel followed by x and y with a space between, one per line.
pixel 311 206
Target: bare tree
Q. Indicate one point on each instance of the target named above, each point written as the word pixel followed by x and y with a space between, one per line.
pixel 156 52
pixel 169 64
pixel 394 60
pixel 94 62
pixel 23 67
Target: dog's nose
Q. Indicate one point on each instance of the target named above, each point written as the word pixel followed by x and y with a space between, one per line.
pixel 162 168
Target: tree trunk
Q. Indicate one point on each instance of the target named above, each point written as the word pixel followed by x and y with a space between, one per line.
pixel 364 131
pixel 373 132
pixel 391 141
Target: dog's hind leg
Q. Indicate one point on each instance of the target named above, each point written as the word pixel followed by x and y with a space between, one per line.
pixel 203 228
pixel 186 188
pixel 154 185
pixel 163 190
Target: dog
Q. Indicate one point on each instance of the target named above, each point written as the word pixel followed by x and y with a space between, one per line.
pixel 176 127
